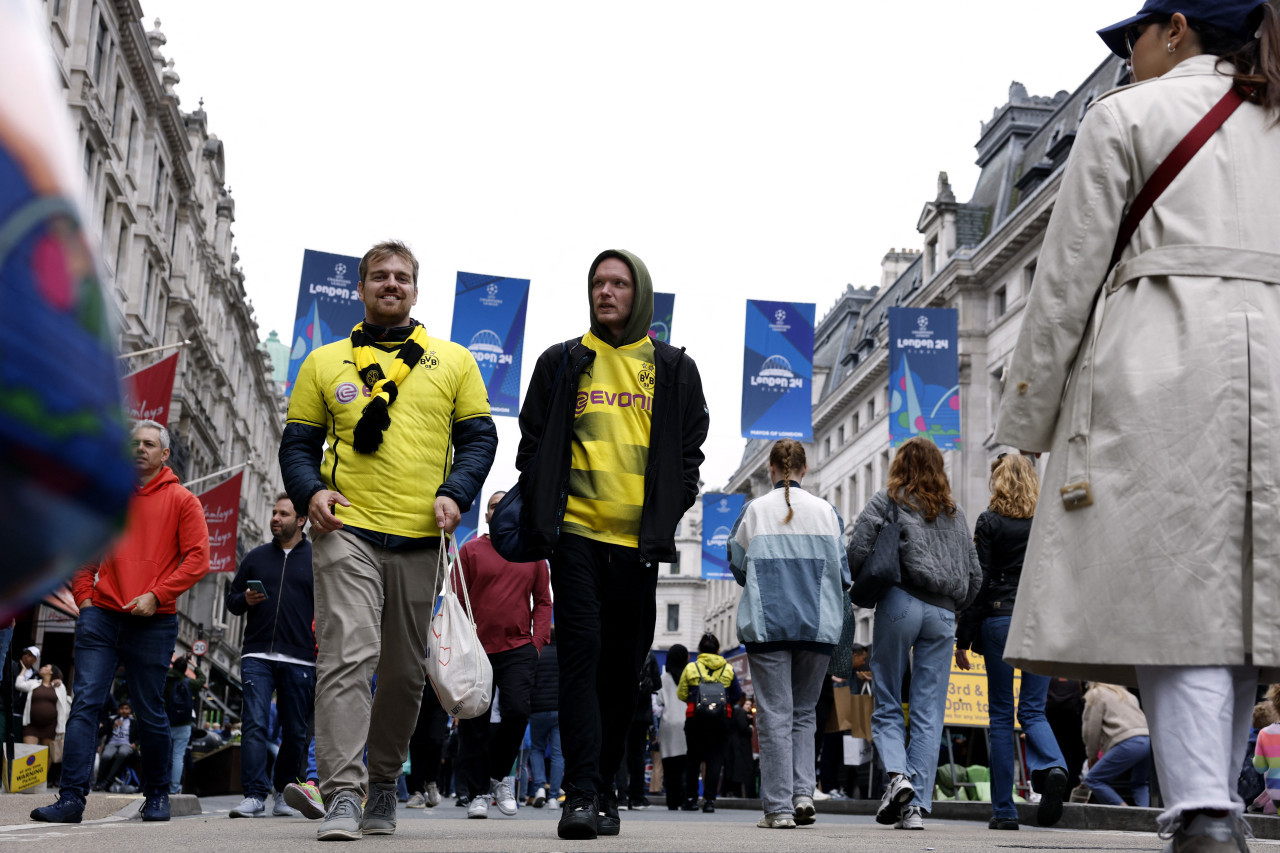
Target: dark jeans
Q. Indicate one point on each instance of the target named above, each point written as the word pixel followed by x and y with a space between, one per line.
pixel 427 743
pixel 637 752
pixel 105 638
pixel 487 751
pixel 605 611
pixel 705 741
pixel 294 686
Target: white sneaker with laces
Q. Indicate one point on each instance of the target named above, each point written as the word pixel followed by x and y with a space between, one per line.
pixel 416 801
pixel 432 795
pixel 912 818
pixel 895 798
pixel 479 806
pixel 279 808
pixel 500 790
pixel 540 798
pixel 249 807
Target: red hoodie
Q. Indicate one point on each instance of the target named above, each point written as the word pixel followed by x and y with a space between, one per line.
pixel 164 549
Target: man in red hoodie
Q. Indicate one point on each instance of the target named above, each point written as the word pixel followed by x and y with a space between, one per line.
pixel 128 615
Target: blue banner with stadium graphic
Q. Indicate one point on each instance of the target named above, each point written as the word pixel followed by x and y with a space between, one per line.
pixel 664 305
pixel 924 376
pixel 777 371
pixel 488 319
pixel 719 512
pixel 328 305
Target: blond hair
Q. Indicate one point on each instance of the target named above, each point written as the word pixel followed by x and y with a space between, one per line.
pixel 787 458
pixel 1014 487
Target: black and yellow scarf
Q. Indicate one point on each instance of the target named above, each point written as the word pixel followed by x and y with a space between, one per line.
pixel 375 418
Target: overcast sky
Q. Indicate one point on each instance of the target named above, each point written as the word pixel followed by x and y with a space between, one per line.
pixel 743 150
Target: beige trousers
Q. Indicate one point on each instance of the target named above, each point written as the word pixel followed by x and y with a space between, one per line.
pixel 373 606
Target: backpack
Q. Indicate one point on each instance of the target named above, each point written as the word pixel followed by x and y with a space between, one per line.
pixel 713 701
pixel 181 706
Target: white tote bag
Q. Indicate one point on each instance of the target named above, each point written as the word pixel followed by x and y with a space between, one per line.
pixel 456 662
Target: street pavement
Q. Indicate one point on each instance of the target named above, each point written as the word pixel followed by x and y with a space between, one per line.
pixel 446 828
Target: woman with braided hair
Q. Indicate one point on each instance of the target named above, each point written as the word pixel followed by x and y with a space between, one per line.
pixel 786 550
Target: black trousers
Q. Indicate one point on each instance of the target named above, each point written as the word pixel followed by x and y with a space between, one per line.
pixel 427 742
pixel 487 751
pixel 705 741
pixel 605 611
pixel 673 780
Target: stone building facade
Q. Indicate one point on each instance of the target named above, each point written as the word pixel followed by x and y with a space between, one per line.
pixel 978 257
pixel 157 201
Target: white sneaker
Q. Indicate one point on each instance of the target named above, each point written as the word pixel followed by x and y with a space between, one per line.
pixel 553 802
pixel 249 807
pixel 416 801
pixel 805 814
pixel 819 794
pixel 781 820
pixel 433 795
pixel 896 796
pixel 502 797
pixel 912 818
pixel 279 808
pixel 478 807
pixel 540 798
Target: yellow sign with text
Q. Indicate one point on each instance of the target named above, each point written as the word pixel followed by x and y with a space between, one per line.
pixel 30 767
pixel 967 694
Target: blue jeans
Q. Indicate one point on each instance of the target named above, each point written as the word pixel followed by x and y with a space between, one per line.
pixel 1042 745
pixel 787 684
pixel 294 686
pixel 904 623
pixel 544 732
pixel 179 737
pixel 105 638
pixel 1133 755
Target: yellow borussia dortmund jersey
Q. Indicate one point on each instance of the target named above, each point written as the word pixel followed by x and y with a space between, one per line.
pixel 611 443
pixel 394 489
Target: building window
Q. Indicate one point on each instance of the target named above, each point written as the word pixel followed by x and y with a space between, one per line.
pixel 884 469
pixel 1028 276
pixel 839 500
pixel 119 105
pixel 88 159
pixel 871 410
pixel 840 435
pixel 157 195
pixel 673 617
pixel 675 564
pixel 146 283
pixel 1002 302
pixel 856 427
pixel 133 139
pixel 931 256
pixel 868 477
pixel 826 447
pixel 99 50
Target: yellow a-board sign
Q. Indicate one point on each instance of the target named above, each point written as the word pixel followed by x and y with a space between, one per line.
pixel 30 767
pixel 967 694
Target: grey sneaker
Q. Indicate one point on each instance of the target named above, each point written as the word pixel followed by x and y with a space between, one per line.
pixel 896 796
pixel 279 808
pixel 502 796
pixel 432 795
pixel 779 820
pixel 1203 833
pixel 249 807
pixel 804 810
pixel 912 818
pixel 342 820
pixel 416 801
pixel 380 809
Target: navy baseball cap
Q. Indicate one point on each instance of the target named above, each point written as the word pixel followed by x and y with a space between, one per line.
pixel 1230 15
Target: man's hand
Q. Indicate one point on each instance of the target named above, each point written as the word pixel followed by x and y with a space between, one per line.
pixel 962 659
pixel 320 510
pixel 143 605
pixel 863 675
pixel 447 515
pixel 252 597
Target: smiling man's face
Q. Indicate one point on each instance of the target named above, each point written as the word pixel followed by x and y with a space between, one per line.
pixel 388 291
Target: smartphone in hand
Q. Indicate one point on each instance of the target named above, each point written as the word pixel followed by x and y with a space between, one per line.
pixel 257 587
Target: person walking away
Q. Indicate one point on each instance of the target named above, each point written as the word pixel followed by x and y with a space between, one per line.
pixel 1116 729
pixel 631 771
pixel 1000 537
pixel 180 692
pixel 709 686
pixel 128 615
pixel 1184 315
pixel 786 550
pixel 671 739
pixel 544 728
pixel 915 622
pixel 274 586
pixel 611 435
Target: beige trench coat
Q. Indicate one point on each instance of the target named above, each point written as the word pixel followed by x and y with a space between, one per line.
pixel 1160 400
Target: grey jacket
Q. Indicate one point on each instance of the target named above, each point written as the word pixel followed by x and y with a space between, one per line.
pixel 939 562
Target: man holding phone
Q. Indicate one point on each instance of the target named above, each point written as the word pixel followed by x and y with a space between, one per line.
pixel 274 587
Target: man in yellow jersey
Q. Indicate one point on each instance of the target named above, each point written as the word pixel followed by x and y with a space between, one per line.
pixel 391 403
pixel 611 439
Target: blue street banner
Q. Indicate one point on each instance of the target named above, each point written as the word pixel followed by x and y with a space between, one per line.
pixel 777 371
pixel 488 319
pixel 924 376
pixel 663 305
pixel 468 528
pixel 719 512
pixel 328 305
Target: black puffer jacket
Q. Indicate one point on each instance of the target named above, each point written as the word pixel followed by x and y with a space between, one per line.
pixel 1001 543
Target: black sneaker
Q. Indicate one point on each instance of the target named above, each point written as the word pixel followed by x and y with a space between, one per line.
pixel 578 817
pixel 68 809
pixel 689 805
pixel 640 804
pixel 1051 794
pixel 708 806
pixel 156 805
pixel 607 820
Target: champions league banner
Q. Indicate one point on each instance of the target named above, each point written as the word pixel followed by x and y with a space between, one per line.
pixel 488 319
pixel 924 376
pixel 663 306
pixel 719 512
pixel 777 371
pixel 328 305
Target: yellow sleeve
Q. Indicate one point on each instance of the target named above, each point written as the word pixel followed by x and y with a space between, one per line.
pixel 472 398
pixel 306 402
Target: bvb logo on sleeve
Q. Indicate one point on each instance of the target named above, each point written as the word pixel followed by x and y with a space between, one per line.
pixel 646 377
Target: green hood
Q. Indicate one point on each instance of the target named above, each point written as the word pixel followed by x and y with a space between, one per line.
pixel 641 306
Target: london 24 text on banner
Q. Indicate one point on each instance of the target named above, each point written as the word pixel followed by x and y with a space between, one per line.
pixel 719 512
pixel 664 305
pixel 488 319
pixel 777 371
pixel 328 305
pixel 924 376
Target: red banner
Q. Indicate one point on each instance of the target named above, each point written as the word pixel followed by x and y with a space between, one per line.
pixel 222 514
pixel 150 391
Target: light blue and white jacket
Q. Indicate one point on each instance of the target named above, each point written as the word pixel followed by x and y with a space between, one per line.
pixel 795 574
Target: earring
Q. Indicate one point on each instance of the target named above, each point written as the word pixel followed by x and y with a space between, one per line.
pixel 1169 47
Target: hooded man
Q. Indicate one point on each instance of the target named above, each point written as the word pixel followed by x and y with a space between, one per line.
pixel 611 435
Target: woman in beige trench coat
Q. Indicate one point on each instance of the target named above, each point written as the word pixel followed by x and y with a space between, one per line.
pixel 1155 554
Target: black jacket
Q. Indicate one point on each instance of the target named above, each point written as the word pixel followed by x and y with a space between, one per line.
pixel 1001 543
pixel 283 623
pixel 676 432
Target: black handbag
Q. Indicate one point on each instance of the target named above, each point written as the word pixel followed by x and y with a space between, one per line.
pixel 881 569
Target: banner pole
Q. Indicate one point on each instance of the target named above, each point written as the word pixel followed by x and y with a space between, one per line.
pixel 191 483
pixel 153 349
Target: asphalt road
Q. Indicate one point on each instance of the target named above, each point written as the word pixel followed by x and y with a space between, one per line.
pixel 446 828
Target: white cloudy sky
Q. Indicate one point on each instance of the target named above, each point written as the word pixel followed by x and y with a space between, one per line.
pixel 742 149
